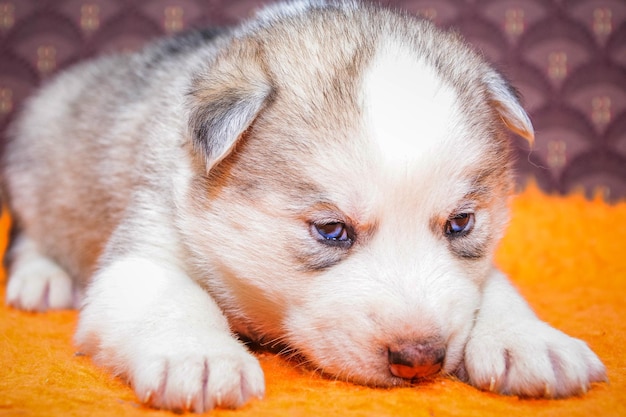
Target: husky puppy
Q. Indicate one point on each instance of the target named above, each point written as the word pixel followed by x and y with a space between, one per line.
pixel 331 176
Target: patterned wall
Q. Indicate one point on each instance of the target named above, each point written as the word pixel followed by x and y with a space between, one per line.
pixel 567 57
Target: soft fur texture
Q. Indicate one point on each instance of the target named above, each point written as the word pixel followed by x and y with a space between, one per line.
pixel 576 281
pixel 329 177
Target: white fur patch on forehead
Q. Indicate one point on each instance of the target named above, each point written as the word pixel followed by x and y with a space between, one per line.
pixel 409 110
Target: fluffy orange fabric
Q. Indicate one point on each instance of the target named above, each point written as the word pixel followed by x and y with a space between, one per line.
pixel 565 254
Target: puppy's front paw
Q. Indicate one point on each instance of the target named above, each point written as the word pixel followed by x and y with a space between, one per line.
pixel 220 374
pixel 151 324
pixel 531 359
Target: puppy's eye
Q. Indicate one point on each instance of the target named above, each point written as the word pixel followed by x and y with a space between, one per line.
pixel 459 225
pixel 336 234
pixel 332 231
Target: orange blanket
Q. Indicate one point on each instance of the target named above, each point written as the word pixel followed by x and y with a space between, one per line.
pixel 567 256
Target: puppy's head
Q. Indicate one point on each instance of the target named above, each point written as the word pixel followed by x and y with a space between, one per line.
pixel 352 186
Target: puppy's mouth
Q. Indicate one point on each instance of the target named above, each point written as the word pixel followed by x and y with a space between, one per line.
pixel 414 373
pixel 399 365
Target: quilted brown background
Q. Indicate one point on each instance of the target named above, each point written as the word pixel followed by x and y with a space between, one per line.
pixel 567 57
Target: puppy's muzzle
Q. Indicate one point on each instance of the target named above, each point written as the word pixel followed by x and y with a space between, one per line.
pixel 413 360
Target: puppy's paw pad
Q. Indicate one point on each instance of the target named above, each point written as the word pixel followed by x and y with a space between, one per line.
pixel 532 360
pixel 200 382
pixel 40 285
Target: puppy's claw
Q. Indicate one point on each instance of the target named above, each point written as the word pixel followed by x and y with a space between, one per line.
pixel 147 397
pixel 188 403
pixel 547 391
pixel 492 385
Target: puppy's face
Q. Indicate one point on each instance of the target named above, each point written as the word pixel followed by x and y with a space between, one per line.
pixel 355 218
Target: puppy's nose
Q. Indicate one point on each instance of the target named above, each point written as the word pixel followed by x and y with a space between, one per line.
pixel 416 360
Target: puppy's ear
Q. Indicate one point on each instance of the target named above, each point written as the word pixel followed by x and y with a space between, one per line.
pixel 506 101
pixel 224 102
